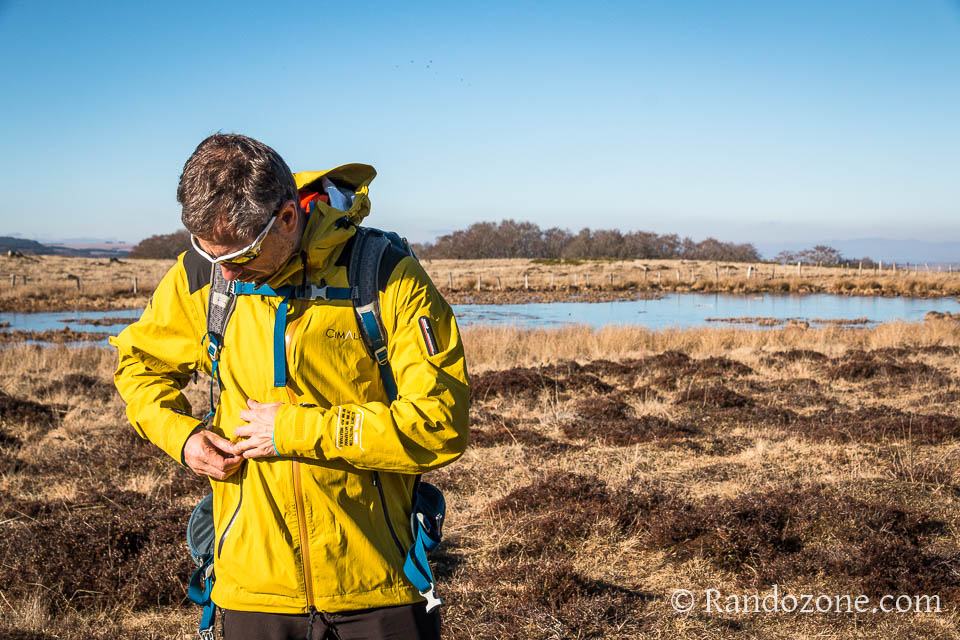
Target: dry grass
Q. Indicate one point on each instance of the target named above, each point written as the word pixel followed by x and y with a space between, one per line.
pixel 606 469
pixel 109 285
pixel 494 347
pixel 49 283
pixel 517 280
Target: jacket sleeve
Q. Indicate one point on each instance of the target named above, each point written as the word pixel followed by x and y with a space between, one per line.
pixel 157 356
pixel 427 426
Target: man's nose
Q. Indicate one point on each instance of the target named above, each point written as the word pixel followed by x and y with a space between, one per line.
pixel 229 272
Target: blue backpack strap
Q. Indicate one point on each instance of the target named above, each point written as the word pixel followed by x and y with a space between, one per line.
pixel 201 585
pixel 200 538
pixel 285 293
pixel 426 523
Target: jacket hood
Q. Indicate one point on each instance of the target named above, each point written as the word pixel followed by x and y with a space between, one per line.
pixel 323 236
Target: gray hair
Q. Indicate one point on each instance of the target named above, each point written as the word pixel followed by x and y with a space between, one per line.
pixel 230 187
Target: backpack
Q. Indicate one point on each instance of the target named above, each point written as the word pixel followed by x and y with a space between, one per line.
pixel 370 246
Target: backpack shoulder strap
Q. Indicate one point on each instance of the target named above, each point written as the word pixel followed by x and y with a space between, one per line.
pixel 372 251
pixel 220 304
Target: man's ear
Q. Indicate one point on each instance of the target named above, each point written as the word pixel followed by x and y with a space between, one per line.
pixel 288 218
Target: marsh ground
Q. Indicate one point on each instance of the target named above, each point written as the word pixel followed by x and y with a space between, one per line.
pixel 606 469
pixel 49 283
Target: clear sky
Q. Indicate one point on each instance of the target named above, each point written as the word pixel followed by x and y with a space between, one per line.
pixel 748 121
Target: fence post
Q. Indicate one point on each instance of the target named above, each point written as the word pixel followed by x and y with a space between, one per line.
pixel 450 277
pixel 749 271
pixel 78 283
pixel 586 281
pixel 799 268
pixel 134 286
pixel 478 282
pixel 13 281
pixel 644 274
pixel 499 285
pixel 526 281
pixel 574 279
pixel 716 275
pixel 659 277
pixel 678 275
pixel 611 281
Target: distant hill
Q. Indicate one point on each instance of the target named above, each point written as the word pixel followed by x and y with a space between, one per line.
pixel 9 243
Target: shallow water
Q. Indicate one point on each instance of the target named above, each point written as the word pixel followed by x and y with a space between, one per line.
pixel 692 310
pixel 681 310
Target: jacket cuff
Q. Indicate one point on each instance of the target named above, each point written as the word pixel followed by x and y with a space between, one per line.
pixel 295 431
pixel 176 432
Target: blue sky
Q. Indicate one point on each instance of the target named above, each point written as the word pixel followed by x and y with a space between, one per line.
pixel 747 121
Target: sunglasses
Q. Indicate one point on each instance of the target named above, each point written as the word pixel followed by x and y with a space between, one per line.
pixel 241 257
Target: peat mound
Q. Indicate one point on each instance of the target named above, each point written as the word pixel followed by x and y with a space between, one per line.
pixel 721 446
pixel 530 380
pixel 80 385
pixel 862 367
pixel 558 512
pixel 683 370
pixel 9 441
pixel 875 424
pixel 713 396
pixel 57 336
pixel 776 358
pixel 513 381
pixel 493 430
pixel 516 596
pixel 780 535
pixel 18 409
pixel 606 420
pixel 114 548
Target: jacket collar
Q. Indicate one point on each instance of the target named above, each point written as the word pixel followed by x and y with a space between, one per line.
pixel 324 236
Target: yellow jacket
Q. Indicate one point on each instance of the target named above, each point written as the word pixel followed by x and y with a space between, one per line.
pixel 307 528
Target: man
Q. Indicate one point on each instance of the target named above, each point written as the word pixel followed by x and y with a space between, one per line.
pixel 308 543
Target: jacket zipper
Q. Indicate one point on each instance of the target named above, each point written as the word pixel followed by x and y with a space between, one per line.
pixel 304 539
pixel 233 518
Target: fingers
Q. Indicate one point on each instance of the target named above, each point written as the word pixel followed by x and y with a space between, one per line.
pixel 255 411
pixel 244 431
pixel 218 442
pixel 208 454
pixel 220 469
pixel 253 404
pixel 258 446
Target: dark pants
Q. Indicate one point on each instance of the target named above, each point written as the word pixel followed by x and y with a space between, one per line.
pixel 404 622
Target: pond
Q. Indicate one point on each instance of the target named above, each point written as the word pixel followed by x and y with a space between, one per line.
pixel 673 310
pixel 696 310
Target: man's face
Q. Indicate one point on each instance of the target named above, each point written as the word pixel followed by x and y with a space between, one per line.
pixel 278 245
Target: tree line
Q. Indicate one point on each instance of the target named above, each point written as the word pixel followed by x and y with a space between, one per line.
pixel 512 239
pixel 821 255
pixel 166 245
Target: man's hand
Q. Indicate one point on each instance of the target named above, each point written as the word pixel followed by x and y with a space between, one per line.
pixel 259 430
pixel 207 454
